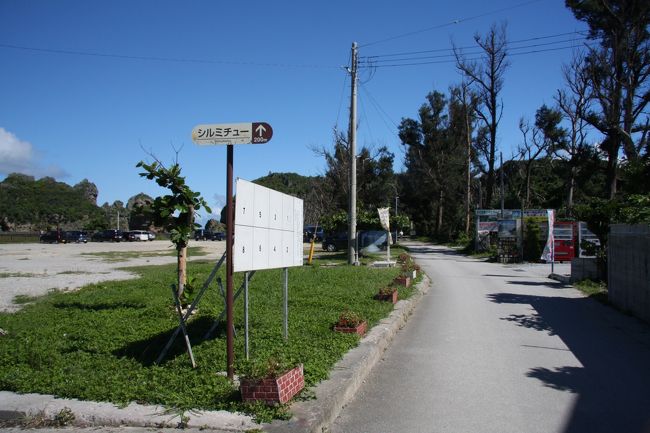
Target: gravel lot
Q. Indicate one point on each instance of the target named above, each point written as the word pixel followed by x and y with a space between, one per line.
pixel 34 269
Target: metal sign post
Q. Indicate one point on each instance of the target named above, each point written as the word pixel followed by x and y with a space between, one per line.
pixel 231 134
pixel 230 352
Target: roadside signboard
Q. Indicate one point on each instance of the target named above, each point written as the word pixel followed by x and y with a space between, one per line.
pixel 232 133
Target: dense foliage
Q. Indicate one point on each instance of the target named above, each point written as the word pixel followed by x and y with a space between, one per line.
pixel 27 204
pixel 45 203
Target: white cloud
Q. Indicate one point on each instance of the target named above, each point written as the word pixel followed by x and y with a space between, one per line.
pixel 18 156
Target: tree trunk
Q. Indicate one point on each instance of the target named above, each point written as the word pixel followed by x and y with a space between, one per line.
pixel 440 210
pixel 182 255
pixel 611 174
pixel 182 269
pixel 468 192
pixel 572 184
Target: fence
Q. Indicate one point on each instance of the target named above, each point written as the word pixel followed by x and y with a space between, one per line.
pixel 628 268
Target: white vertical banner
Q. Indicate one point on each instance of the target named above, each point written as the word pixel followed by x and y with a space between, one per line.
pixel 548 254
pixel 384 218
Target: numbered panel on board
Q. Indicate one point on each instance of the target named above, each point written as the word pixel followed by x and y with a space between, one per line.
pixel 268 228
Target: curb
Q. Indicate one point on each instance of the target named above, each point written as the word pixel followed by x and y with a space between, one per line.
pixel 565 279
pixel 331 395
pixel 93 414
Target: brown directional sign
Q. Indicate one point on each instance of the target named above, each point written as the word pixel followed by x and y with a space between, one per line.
pixel 262 132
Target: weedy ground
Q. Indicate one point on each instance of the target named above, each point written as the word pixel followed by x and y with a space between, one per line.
pixel 101 342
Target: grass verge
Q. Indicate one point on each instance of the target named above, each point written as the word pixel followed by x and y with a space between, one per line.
pixel 121 256
pixel 593 289
pixel 100 343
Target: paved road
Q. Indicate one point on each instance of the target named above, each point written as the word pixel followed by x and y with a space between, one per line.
pixel 495 348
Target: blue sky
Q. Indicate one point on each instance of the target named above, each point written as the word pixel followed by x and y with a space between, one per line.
pixel 155 69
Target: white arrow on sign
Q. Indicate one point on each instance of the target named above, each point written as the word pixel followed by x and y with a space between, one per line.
pixel 260 130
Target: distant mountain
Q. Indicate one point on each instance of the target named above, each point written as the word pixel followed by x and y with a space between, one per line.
pixel 289 183
pixel 28 203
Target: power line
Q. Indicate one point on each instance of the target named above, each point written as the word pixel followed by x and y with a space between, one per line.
pixel 450 23
pixel 382 114
pixel 379 109
pixel 161 59
pixel 371 61
pixel 438 50
pixel 473 59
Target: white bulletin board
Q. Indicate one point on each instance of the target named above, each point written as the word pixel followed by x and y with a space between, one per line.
pixel 268 228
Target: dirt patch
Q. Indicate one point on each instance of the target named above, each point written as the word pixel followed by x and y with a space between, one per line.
pixel 31 270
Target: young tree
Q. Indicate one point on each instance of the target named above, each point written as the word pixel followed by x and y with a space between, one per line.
pixel 486 77
pixel 175 211
pixel 618 71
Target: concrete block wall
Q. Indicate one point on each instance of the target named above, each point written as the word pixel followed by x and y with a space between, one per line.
pixel 628 268
pixel 583 268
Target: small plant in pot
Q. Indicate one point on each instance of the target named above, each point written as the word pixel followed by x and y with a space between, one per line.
pixel 350 322
pixel 273 380
pixel 388 293
pixel 403 280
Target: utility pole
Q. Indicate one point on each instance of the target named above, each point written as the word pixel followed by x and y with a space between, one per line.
pixel 502 189
pixel 352 139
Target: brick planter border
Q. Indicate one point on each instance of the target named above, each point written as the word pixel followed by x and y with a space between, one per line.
pixel 274 390
pixel 360 329
pixel 403 281
pixel 392 297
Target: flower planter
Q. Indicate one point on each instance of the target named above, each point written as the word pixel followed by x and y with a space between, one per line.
pixel 360 329
pixel 392 297
pixel 273 390
pixel 403 281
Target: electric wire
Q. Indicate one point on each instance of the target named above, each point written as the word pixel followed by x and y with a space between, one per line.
pixel 536 38
pixel 472 53
pixel 450 23
pixel 382 113
pixel 162 59
pixel 475 58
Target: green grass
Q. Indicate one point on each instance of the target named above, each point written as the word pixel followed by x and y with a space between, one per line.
pixel 100 342
pixel 593 289
pixel 121 256
pixel 18 274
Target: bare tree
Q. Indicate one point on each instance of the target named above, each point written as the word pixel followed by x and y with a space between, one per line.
pixel 486 77
pixel 574 104
pixel 619 75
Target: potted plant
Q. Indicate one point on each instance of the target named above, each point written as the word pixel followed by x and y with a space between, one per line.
pixel 388 293
pixel 403 280
pixel 272 381
pixel 350 322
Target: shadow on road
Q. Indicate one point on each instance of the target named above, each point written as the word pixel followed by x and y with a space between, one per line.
pixel 614 381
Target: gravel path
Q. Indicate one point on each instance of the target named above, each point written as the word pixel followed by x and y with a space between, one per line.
pixel 35 269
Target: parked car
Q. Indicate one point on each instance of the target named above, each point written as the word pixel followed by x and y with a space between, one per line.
pixel 76 236
pixel 108 236
pixel 335 241
pixel 202 235
pixel 138 235
pixel 310 231
pixel 53 237
pixel 208 235
pixel 367 239
pixel 151 236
